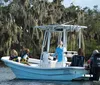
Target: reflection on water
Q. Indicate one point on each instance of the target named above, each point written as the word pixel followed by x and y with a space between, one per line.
pixel 8 78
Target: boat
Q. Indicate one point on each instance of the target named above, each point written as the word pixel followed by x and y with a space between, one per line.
pixel 46 68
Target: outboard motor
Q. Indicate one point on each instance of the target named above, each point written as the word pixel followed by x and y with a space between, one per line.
pixel 96 60
pixel 96 66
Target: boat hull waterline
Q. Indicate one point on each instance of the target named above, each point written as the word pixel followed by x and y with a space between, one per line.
pixel 33 71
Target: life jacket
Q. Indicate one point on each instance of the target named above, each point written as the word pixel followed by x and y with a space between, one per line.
pixel 14 58
pixel 77 60
pixel 96 60
pixel 25 59
pixel 22 54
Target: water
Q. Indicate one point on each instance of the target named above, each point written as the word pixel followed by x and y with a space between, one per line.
pixel 8 78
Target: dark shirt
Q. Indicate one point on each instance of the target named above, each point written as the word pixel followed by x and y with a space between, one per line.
pixel 77 60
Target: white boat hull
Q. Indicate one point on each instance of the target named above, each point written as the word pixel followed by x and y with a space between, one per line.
pixel 23 71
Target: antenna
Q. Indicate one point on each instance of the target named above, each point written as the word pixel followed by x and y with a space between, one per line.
pixel 72 2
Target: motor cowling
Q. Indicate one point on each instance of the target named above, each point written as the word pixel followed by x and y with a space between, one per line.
pixel 96 60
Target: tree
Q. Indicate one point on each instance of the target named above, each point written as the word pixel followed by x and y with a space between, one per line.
pixel 19 17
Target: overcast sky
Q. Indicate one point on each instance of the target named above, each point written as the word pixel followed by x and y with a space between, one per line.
pixel 5 3
pixel 82 3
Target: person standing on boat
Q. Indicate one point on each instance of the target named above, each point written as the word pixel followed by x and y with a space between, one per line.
pixel 14 55
pixel 59 53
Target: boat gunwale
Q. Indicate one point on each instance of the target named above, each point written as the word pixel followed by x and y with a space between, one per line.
pixel 24 65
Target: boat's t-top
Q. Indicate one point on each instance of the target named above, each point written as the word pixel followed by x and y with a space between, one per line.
pixel 62 31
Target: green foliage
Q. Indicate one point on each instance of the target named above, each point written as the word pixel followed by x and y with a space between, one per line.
pixel 17 20
pixel 91 45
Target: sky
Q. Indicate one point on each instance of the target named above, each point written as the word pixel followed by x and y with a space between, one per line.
pixel 67 3
pixel 5 3
pixel 82 3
